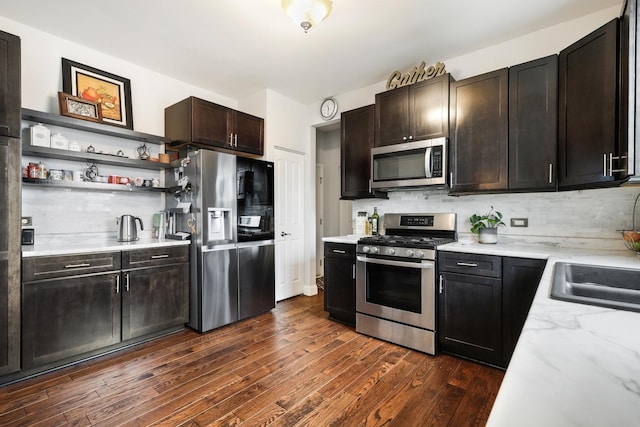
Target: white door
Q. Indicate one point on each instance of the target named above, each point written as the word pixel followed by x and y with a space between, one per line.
pixel 289 229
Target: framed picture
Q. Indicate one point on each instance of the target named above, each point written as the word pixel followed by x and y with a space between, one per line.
pixel 80 108
pixel 111 92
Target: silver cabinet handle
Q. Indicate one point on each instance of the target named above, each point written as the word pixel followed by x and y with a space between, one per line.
pixel 236 140
pixel 466 264
pixel 338 251
pixel 369 186
pixel 159 256
pixel 85 264
pixel 353 272
pixel 231 140
pixel 604 165
pixel 440 286
pixel 550 173
pixel 128 280
pixel 117 284
pixel 404 138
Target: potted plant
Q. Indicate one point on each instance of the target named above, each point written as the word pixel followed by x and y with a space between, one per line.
pixel 486 226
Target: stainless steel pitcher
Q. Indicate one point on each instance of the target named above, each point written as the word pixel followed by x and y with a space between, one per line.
pixel 127 231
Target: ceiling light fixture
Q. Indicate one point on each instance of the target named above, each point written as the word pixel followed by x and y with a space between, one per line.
pixel 307 13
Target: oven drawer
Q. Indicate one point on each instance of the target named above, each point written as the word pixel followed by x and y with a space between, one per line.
pixel 339 250
pixel 473 264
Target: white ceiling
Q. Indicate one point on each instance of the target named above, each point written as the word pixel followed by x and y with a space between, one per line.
pixel 238 47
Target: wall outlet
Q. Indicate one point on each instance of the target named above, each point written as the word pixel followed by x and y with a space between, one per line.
pixel 519 222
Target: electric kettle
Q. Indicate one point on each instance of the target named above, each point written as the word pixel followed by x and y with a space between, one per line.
pixel 127 232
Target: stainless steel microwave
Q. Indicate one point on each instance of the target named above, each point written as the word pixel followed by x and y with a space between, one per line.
pixel 413 164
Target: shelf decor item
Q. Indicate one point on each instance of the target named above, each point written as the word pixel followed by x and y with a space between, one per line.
pixel 80 108
pixel 486 226
pixel 632 237
pixel 112 93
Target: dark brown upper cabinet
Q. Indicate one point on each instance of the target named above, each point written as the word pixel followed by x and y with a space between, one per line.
pixel 415 112
pixel 356 141
pixel 9 85
pixel 479 131
pixel 204 123
pixel 591 152
pixel 533 125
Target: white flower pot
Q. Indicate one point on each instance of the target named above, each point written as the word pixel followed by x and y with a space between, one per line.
pixel 488 235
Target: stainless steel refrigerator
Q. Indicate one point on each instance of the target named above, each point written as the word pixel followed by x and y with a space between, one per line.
pixel 231 278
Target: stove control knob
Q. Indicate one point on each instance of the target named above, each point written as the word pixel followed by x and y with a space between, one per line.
pixel 420 254
pixel 365 249
pixel 374 250
pixel 409 252
pixel 391 251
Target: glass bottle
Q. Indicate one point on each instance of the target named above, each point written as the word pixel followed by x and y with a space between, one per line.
pixel 374 221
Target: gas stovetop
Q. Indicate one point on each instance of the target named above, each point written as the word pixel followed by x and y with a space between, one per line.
pixel 411 236
pixel 423 242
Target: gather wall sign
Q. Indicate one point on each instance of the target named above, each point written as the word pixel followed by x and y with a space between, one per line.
pixel 417 74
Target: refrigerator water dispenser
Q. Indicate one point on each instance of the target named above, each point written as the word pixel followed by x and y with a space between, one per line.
pixel 219 225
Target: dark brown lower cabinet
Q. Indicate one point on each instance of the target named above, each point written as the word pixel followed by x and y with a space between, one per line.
pixel 483 303
pixel 470 317
pixel 154 299
pixel 63 318
pixel 520 279
pixel 340 282
pixel 76 306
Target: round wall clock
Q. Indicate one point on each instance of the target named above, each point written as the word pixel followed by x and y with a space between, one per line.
pixel 328 108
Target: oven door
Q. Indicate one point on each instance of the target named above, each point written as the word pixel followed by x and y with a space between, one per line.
pixel 399 291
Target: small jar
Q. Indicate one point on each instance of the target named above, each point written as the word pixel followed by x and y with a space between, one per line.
pixel 42 170
pixel 59 141
pixel 40 136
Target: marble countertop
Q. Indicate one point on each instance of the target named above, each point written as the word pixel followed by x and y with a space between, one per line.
pixel 97 244
pixel 574 364
pixel 349 239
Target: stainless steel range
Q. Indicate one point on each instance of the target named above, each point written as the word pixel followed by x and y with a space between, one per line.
pixel 396 279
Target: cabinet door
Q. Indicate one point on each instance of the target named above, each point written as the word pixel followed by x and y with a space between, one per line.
pixel 533 124
pixel 65 318
pixel 9 85
pixel 248 133
pixel 340 289
pixel 9 255
pixel 520 281
pixel 154 299
pixel 469 314
pixel 211 124
pixel 588 73
pixel 429 108
pixel 392 117
pixel 479 131
pixel 356 141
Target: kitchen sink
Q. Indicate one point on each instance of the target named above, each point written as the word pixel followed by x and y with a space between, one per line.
pixel 611 287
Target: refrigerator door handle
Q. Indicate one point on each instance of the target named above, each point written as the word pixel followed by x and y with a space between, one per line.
pixel 222 247
pixel 256 243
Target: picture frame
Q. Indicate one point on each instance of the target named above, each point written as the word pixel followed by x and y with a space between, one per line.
pixel 111 92
pixel 79 108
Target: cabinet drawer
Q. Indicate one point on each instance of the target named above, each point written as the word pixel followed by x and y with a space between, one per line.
pixel 49 267
pixel 155 256
pixel 339 250
pixel 474 264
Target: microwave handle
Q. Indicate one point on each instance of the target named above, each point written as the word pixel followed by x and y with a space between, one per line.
pixel 427 162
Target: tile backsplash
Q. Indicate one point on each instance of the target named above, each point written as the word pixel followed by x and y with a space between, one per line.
pixel 64 214
pixel 564 218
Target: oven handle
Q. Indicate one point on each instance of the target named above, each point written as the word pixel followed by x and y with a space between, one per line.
pixel 423 264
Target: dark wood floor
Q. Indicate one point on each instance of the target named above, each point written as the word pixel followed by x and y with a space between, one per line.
pixel 288 367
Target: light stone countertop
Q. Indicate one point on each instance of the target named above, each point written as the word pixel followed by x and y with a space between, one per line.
pixel 574 364
pixel 351 239
pixel 98 244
